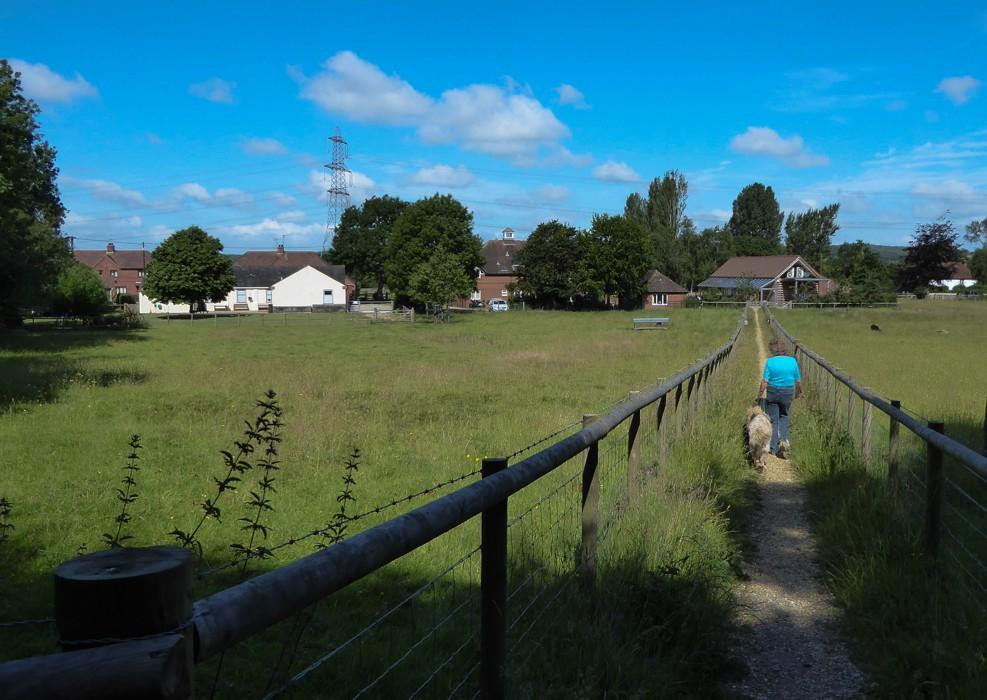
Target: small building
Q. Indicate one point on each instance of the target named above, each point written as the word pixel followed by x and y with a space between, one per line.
pixel 959 277
pixel 287 280
pixel 661 291
pixel 777 279
pixel 121 271
pixel 499 267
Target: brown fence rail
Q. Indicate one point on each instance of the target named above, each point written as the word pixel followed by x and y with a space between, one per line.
pixel 603 474
pixel 951 497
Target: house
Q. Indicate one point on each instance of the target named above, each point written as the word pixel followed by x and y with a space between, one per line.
pixel 662 291
pixel 499 267
pixel 772 278
pixel 286 280
pixel 121 271
pixel 959 277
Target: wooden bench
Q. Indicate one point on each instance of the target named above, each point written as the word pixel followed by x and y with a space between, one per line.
pixel 641 324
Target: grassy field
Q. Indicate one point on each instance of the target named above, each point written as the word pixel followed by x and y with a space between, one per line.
pixel 904 610
pixel 422 402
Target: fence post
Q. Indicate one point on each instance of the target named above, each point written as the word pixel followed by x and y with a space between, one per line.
pixel 493 591
pixel 934 485
pixel 849 410
pixel 865 433
pixel 659 427
pixel 590 508
pixel 893 446
pixel 634 454
pixel 129 592
pixel 678 411
pixel 985 429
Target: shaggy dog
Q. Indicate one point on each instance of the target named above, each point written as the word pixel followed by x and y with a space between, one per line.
pixel 757 436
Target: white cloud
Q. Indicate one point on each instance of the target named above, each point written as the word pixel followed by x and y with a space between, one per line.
pixel 361 91
pixel 264 147
pixel 222 197
pixel 958 90
pixel 615 171
pixel 276 228
pixel 945 189
pixel 231 197
pixel 107 191
pixel 192 190
pixel 568 95
pixel 764 141
pixel 504 121
pixel 41 83
pixel 291 215
pixel 443 176
pixel 214 90
pixel 283 200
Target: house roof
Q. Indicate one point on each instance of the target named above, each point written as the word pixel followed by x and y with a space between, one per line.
pixel 263 268
pixel 659 284
pixel 769 266
pixel 123 259
pixel 734 282
pixel 499 256
pixel 959 271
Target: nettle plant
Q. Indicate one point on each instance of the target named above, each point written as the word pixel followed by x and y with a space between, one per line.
pixel 126 495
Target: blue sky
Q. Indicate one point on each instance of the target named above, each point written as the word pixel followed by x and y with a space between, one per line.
pixel 172 114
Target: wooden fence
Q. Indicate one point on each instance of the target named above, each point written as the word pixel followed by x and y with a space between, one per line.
pixel 826 384
pixel 155 659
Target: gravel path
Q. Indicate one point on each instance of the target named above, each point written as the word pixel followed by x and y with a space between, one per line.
pixel 788 635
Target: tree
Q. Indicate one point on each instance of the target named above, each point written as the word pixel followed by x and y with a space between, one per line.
pixel 809 234
pixel 978 266
pixel 422 228
pixel 188 267
pixel 548 264
pixel 976 232
pixel 667 222
pixel 756 221
pixel 31 213
pixel 79 291
pixel 360 241
pixel 617 258
pixel 863 277
pixel 840 266
pixel 701 254
pixel 440 280
pixel 928 255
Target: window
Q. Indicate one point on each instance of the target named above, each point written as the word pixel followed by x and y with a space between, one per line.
pixel 121 290
pixel 140 273
pixel 503 292
pixel 270 295
pixel 799 272
pixel 659 300
pixel 113 273
pixel 241 296
pixel 327 296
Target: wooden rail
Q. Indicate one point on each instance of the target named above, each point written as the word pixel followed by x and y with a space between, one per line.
pixel 221 620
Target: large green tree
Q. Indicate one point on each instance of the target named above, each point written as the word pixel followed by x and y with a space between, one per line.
pixel 756 221
pixel 79 291
pixel 32 252
pixel 360 242
pixel 701 253
pixel 188 267
pixel 548 264
pixel 978 266
pixel 863 277
pixel 618 254
pixel 437 222
pixel 928 255
pixel 440 280
pixel 809 234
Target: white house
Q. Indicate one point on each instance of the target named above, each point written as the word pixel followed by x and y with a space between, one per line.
pixel 959 277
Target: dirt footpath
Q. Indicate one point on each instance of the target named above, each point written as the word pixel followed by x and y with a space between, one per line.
pixel 788 635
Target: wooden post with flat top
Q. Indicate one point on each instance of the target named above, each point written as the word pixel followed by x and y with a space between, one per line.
pixel 634 454
pixel 590 509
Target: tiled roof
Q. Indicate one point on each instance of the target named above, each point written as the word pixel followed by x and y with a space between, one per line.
pixel 260 268
pixel 959 271
pixel 659 284
pixel 499 256
pixel 769 266
pixel 124 259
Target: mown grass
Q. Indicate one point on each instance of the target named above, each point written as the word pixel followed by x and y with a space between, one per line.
pixel 917 625
pixel 422 402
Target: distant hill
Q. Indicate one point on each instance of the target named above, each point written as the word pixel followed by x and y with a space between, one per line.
pixel 887 253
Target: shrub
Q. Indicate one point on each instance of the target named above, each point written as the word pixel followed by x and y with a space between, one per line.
pixel 79 292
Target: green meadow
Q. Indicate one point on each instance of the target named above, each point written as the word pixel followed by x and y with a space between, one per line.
pixel 422 403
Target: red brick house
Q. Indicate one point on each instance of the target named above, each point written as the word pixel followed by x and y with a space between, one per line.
pixel 662 292
pixel 499 267
pixel 122 271
pixel 772 278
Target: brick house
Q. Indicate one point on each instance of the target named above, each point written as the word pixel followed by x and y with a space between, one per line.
pixel 771 278
pixel 121 271
pixel 662 292
pixel 499 267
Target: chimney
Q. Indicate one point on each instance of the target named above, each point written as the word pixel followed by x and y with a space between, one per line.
pixel 110 249
pixel 280 248
pixel 508 234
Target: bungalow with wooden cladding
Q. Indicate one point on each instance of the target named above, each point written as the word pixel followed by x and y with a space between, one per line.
pixel 775 279
pixel 959 277
pixel 662 291
pixel 286 280
pixel 121 271
pixel 499 267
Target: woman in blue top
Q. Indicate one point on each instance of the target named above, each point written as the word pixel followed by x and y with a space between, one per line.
pixel 780 384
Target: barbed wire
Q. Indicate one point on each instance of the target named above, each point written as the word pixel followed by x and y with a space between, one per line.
pixel 28 622
pixel 558 432
pixel 374 623
pixel 469 673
